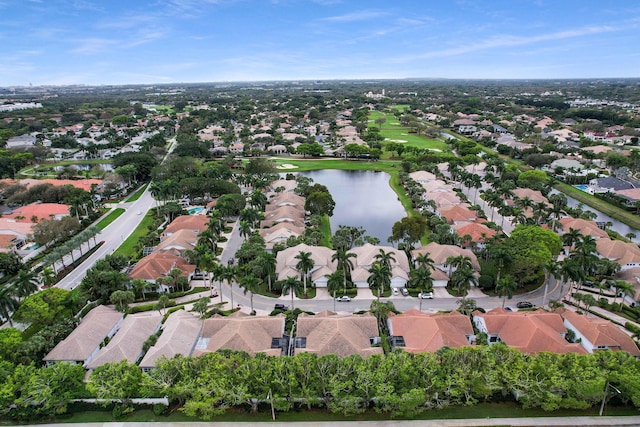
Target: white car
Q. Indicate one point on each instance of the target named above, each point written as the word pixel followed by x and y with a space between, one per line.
pixel 425 295
pixel 343 298
pixel 395 291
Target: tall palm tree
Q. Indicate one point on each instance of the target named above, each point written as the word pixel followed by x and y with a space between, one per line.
pixel 251 284
pixel 47 276
pixel 385 258
pixel 217 274
pixel 572 237
pixel 26 283
pixel 334 281
pixel 505 288
pixel 457 262
pixel 462 279
pixel 230 274
pixel 342 257
pixel 8 302
pixel 379 277
pixel 424 260
pixel 421 279
pixel 551 268
pixel 571 271
pixel 304 266
pixel 267 266
pixel 624 288
pixel 292 285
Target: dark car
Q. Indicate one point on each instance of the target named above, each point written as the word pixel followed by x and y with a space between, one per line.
pixel 524 304
pixel 281 307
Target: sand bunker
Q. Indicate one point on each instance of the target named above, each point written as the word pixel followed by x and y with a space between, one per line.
pixel 395 140
pixel 287 166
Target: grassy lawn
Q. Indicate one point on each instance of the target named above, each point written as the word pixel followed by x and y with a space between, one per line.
pixel 137 194
pixel 166 109
pixel 311 164
pixel 506 410
pixel 325 227
pixel 127 248
pixel 613 211
pixel 112 216
pixel 393 131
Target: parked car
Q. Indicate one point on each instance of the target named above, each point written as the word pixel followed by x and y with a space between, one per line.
pixel 395 291
pixel 425 295
pixel 524 304
pixel 508 309
pixel 343 298
pixel 281 307
pixel 404 292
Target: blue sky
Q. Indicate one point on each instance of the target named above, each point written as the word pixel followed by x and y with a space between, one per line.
pixel 166 41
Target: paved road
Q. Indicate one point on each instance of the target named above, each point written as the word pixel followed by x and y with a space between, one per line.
pixel 113 236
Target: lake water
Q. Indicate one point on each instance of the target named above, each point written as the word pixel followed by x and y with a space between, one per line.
pixel 363 198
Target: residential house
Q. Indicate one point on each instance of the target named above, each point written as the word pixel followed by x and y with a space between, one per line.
pixel 440 255
pixel 283 214
pixel 180 333
pixel 195 223
pixel 530 332
pixel 323 265
pixel 158 265
pixel 474 235
pixel 458 214
pixel 586 228
pixel 179 242
pixel 422 177
pixel 83 344
pixel 623 253
pixel 443 199
pixel 279 233
pixel 284 185
pixel 242 332
pixel 342 335
pixel 127 343
pixel 597 334
pixel 39 211
pixel 609 184
pixel 631 196
pixel 418 332
pixel 285 199
pixel 366 257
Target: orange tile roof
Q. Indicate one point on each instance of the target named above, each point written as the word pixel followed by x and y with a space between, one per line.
pixel 429 332
pixel 157 265
pixel 188 222
pixel 601 332
pixel 530 332
pixel 478 232
pixel 39 210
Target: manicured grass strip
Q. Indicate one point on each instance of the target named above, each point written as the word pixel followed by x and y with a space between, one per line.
pixel 613 211
pixel 112 216
pixel 303 165
pixel 393 131
pixel 325 228
pixel 127 248
pixel 137 194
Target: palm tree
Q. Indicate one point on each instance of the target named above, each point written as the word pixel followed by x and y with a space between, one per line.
pixel 462 279
pixel 245 229
pixel 385 258
pixel 201 306
pixel 250 283
pixel 624 288
pixel 230 274
pixel 47 276
pixel 550 268
pixel 571 271
pixel 505 288
pixel 217 274
pixel 334 281
pixel 379 277
pixel 8 302
pixel 584 253
pixel 341 256
pixel 304 266
pixel 457 262
pixel 292 285
pixel 267 265
pixel 421 279
pixel 25 284
pixel 424 260
pixel 571 238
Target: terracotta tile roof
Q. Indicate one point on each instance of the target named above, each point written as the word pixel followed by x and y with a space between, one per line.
pixel 443 199
pixel 618 251
pixel 586 228
pixel 157 265
pixel 127 343
pixel 16 228
pixel 84 184
pixel 478 232
pixel 179 336
pixel 530 332
pixel 458 213
pixel 285 199
pixel 342 335
pixel 286 260
pixel 601 332
pixel 365 258
pixel 87 337
pixel 534 195
pixel 429 332
pixel 437 184
pixel 178 242
pixel 196 223
pixel 241 332
pixel 39 210
pixel 422 176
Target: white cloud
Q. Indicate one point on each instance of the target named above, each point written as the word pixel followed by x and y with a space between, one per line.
pixel 363 15
pixel 93 46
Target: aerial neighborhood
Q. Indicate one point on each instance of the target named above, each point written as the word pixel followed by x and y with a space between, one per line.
pixel 148 230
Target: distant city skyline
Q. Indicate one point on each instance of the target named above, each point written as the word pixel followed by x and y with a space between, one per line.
pixel 65 42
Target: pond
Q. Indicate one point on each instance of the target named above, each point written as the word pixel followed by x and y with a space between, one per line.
pixel 363 198
pixel 107 167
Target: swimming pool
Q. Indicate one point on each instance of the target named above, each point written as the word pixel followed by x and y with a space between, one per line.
pixel 193 211
pixel 582 187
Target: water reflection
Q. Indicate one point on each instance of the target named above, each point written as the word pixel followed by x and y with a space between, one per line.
pixel 363 198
